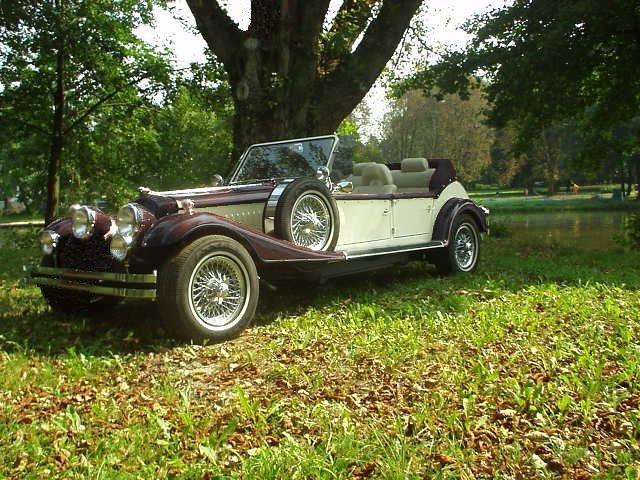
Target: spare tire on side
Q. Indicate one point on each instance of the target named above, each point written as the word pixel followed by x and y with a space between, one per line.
pixel 307 215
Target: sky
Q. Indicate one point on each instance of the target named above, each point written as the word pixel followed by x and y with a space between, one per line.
pixel 443 19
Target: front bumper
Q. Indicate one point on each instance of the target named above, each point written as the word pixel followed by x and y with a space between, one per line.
pixel 126 285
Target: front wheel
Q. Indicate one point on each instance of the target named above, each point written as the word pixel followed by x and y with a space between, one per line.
pixel 463 250
pixel 209 289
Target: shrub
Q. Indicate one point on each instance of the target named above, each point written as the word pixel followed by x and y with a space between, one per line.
pixel 500 230
pixel 630 231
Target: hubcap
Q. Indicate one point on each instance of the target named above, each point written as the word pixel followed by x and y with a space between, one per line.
pixel 218 290
pixel 311 222
pixel 464 244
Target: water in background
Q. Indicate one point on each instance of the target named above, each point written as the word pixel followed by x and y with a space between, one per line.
pixel 593 230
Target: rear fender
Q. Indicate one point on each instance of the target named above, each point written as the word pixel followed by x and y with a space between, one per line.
pixel 174 231
pixel 450 210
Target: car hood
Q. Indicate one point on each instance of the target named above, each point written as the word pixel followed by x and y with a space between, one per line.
pixel 166 203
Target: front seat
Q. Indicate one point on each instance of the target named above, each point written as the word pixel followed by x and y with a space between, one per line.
pixel 375 178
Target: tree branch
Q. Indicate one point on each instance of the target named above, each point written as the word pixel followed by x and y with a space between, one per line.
pixel 349 23
pixel 220 32
pixel 101 102
pixel 355 75
pixel 31 125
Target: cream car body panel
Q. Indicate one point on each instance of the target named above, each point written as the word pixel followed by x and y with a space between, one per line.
pixel 249 214
pixel 363 222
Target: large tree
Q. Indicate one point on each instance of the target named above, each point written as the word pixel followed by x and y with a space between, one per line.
pixel 63 63
pixel 290 74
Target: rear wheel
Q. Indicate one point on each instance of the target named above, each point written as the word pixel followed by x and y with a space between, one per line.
pixel 209 289
pixel 463 250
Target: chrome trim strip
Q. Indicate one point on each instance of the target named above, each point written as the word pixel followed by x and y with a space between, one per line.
pixel 201 190
pixel 425 246
pixel 310 260
pixel 269 213
pixel 142 278
pixel 97 289
pixel 348 256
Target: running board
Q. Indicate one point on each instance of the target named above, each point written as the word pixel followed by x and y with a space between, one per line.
pixel 391 251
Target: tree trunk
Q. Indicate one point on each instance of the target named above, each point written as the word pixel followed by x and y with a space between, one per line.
pixel 551 160
pixel 57 132
pixel 622 176
pixel 637 158
pixel 289 80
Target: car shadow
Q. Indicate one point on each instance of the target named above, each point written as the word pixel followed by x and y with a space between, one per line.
pixel 136 326
pixel 128 328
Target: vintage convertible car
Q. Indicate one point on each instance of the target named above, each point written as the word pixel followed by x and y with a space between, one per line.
pixel 291 209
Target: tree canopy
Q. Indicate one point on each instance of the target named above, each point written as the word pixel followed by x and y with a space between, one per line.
pixel 544 61
pixel 420 126
pixel 63 65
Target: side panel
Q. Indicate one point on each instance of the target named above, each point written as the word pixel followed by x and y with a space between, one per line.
pixel 363 221
pixel 412 216
pixel 249 214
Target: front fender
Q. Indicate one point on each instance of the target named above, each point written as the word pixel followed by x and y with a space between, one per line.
pixel 176 230
pixel 62 226
pixel 450 210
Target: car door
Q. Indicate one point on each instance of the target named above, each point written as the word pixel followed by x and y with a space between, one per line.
pixel 412 218
pixel 364 223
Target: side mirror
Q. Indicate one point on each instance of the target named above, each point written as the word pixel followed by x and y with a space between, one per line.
pixel 217 180
pixel 343 187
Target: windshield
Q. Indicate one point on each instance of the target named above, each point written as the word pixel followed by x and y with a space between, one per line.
pixel 291 159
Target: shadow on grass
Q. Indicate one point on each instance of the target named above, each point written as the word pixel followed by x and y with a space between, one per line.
pixel 136 326
pixel 507 266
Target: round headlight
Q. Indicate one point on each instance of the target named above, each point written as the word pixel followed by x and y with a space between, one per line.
pixel 119 247
pixel 48 241
pixel 128 221
pixel 84 222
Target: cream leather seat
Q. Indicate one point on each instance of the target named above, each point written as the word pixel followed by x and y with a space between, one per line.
pixel 414 175
pixel 373 178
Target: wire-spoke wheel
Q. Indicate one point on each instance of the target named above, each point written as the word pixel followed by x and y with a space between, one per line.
pixel 464 246
pixel 307 215
pixel 311 221
pixel 218 290
pixel 209 290
pixel 461 255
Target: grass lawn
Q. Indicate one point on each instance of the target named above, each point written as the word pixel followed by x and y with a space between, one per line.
pixel 528 368
pixel 533 204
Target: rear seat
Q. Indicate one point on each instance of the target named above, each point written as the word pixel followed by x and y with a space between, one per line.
pixel 414 175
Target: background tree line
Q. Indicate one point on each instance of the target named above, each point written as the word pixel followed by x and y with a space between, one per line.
pixel 448 126
pixel 545 91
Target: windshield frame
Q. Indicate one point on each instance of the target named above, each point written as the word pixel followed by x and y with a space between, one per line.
pixel 236 170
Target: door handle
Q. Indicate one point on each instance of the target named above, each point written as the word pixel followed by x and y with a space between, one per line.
pixel 385 211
